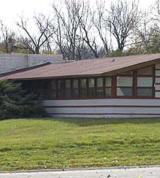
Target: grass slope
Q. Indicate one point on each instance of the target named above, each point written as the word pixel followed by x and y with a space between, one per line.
pixel 61 143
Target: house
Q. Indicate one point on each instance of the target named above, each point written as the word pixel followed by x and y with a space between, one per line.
pixel 109 87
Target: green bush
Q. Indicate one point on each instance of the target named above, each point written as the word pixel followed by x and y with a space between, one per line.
pixel 16 102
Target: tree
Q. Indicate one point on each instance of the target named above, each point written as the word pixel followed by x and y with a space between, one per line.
pixel 15 102
pixel 8 39
pixel 100 25
pixel 35 42
pixel 66 26
pixel 121 20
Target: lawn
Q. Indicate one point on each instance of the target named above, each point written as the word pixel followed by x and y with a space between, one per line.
pixel 63 143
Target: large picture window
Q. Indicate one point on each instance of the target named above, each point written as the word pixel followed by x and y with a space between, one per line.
pixel 145 79
pixel 124 86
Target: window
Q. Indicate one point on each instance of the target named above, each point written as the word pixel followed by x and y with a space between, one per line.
pixel 124 86
pixel 83 87
pixel 99 88
pixel 91 87
pixel 60 91
pixel 52 92
pixel 144 86
pixel 144 81
pixel 107 86
pixel 75 89
pixel 45 89
pixel 67 88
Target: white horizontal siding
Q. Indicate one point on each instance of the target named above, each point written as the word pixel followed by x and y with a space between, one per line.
pixel 107 110
pixel 95 102
pixel 102 116
pixel 104 108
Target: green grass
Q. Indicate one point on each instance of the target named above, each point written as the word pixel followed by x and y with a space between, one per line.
pixel 63 143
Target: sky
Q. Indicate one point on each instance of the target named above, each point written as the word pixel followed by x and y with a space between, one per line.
pixel 12 10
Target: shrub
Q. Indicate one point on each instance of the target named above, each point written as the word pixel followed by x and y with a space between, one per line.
pixel 16 102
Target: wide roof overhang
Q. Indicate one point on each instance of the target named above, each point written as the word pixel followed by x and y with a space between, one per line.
pixel 90 67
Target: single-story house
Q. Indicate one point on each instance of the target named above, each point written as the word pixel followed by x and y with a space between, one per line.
pixel 126 86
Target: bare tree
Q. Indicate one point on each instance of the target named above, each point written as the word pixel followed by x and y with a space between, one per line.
pixel 35 42
pixel 121 20
pixel 67 28
pixel 102 29
pixel 8 38
pixel 87 29
pixel 74 30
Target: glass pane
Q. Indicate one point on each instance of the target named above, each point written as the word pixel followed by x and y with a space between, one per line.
pixel 83 83
pixel 60 88
pixel 107 91
pixel 91 82
pixel 91 87
pixel 99 82
pixel 53 84
pixel 108 81
pixel 75 92
pixel 67 83
pixel 99 91
pixel 144 92
pixel 144 81
pixel 124 91
pixel 124 81
pixel 52 94
pixel 83 89
pixel 60 84
pixel 145 71
pixel 67 92
pixel 75 83
pixel 91 92
pixel 45 88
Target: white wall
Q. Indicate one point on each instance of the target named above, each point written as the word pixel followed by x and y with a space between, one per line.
pixel 12 62
pixel 103 108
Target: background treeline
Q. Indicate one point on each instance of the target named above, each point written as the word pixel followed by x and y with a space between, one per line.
pixel 80 29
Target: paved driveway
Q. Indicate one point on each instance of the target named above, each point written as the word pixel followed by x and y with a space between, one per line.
pixel 149 172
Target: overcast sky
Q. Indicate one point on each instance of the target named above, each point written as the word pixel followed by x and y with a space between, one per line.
pixel 10 10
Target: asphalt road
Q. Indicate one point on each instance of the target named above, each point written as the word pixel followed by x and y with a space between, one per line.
pixel 148 172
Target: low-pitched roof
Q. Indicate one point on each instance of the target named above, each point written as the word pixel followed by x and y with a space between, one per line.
pixel 89 67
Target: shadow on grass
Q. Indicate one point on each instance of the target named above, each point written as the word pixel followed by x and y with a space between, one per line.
pixel 84 122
